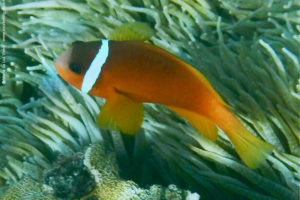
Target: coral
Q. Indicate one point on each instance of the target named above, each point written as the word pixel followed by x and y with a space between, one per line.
pixel 27 189
pixel 247 49
pixel 69 178
pixel 109 185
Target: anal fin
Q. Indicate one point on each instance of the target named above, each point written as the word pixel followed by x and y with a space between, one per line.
pixel 201 123
pixel 121 113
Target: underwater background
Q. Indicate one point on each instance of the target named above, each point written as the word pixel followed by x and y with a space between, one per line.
pixel 51 147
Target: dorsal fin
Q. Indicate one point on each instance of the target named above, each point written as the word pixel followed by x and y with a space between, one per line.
pixel 132 31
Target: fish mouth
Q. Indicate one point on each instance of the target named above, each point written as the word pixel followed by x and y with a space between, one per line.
pixel 62 61
pixel 60 67
pixel 67 75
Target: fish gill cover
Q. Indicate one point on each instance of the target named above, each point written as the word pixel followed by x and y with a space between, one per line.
pixel 51 147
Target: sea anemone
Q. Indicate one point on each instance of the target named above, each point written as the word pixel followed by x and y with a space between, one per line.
pixel 50 143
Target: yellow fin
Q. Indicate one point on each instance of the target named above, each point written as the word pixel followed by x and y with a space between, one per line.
pixel 251 149
pixel 132 31
pixel 201 123
pixel 121 113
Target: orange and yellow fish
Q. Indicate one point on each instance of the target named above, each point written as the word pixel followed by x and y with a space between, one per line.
pixel 128 73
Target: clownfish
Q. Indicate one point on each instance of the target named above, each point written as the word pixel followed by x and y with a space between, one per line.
pixel 127 72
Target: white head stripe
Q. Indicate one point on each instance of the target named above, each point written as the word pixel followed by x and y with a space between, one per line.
pixel 94 69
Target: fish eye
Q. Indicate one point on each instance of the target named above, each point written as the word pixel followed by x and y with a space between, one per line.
pixel 74 67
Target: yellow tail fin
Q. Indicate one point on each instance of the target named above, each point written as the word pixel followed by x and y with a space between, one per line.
pixel 121 113
pixel 251 149
pixel 201 123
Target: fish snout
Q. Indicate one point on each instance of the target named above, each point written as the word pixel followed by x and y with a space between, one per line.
pixel 62 62
pixel 60 66
pixel 64 72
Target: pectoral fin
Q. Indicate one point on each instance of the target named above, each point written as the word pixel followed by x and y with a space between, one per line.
pixel 121 113
pixel 201 123
pixel 132 31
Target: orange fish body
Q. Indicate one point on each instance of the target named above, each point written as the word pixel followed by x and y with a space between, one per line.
pixel 149 74
pixel 134 72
